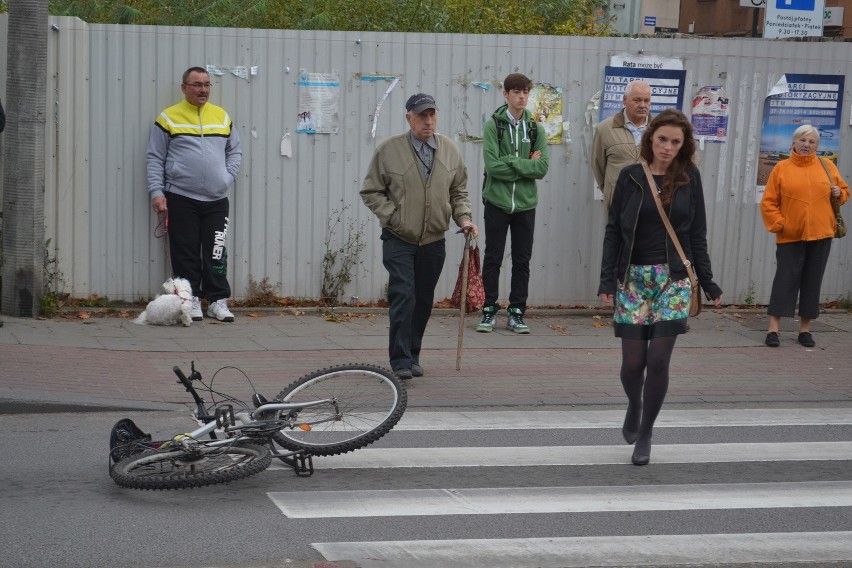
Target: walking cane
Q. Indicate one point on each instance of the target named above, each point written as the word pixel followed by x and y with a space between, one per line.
pixel 463 308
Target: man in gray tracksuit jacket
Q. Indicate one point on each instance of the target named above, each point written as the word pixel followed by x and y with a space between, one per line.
pixel 193 158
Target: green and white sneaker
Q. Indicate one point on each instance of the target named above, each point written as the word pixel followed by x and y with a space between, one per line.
pixel 489 316
pixel 516 321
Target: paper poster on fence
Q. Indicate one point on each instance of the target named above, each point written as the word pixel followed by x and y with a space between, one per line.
pixel 795 100
pixel 319 96
pixel 710 114
pixel 545 104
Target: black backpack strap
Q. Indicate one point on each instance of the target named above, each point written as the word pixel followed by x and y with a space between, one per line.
pixel 533 135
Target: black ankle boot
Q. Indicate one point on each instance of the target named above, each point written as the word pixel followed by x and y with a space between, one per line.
pixel 642 452
pixel 632 419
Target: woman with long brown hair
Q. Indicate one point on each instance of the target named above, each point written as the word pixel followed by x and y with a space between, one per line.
pixel 642 275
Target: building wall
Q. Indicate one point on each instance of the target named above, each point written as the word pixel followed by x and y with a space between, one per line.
pixel 108 82
pixel 663 13
pixel 726 18
pixel 627 16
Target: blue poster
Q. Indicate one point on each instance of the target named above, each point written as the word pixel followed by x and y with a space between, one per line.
pixel 800 99
pixel 666 88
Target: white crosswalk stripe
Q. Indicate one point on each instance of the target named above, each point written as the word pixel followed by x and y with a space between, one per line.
pixel 559 419
pixel 737 497
pixel 369 458
pixel 513 500
pixel 809 548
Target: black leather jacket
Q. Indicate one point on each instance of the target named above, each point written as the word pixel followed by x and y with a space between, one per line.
pixel 687 216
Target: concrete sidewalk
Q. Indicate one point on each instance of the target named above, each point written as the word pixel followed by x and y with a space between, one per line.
pixel 570 358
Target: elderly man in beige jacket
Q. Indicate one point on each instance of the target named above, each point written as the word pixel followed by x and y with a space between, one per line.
pixel 616 142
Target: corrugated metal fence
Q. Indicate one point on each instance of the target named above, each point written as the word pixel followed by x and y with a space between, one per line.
pixel 108 82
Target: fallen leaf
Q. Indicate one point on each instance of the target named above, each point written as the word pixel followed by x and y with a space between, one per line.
pixel 83 315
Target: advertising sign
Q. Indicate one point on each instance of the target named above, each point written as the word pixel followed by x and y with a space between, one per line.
pixel 833 16
pixel 793 18
pixel 666 88
pixel 795 100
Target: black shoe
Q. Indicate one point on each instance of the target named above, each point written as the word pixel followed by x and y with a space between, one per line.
pixel 640 459
pixel 403 374
pixel 416 370
pixel 641 453
pixel 806 339
pixel 772 339
pixel 632 418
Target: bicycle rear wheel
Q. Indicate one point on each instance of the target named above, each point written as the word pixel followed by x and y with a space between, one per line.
pixel 366 402
pixel 182 469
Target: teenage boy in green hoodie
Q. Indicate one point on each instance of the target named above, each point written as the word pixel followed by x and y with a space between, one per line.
pixel 514 158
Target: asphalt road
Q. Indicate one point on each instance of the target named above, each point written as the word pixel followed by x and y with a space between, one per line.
pixel 61 508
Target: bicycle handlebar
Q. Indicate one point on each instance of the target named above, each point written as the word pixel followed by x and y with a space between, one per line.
pixel 201 413
pixel 182 378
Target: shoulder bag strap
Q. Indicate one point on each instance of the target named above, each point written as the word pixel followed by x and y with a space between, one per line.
pixel 835 204
pixel 693 278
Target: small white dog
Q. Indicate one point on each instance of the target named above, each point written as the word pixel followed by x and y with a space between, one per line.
pixel 169 308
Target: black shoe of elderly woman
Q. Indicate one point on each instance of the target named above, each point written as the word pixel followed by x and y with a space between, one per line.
pixel 772 339
pixel 806 339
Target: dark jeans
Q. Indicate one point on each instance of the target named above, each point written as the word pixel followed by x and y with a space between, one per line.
pixel 197 234
pixel 799 271
pixel 497 225
pixel 413 273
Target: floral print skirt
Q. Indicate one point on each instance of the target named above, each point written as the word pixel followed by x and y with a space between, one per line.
pixel 650 304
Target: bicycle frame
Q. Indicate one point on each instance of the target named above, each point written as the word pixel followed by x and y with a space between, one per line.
pixel 246 418
pixel 229 421
pixel 226 419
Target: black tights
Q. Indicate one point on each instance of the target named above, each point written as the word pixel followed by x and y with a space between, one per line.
pixel 645 378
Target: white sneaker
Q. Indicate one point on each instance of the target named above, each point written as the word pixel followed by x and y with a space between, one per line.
pixel 195 311
pixel 219 310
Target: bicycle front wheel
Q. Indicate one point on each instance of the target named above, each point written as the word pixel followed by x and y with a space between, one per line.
pixel 366 402
pixel 181 469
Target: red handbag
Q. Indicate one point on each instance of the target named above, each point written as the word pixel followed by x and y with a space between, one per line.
pixel 475 295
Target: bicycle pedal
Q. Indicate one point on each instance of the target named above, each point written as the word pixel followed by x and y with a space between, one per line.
pixel 303 465
pixel 225 416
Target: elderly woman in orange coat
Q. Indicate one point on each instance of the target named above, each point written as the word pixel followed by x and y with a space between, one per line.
pixel 796 206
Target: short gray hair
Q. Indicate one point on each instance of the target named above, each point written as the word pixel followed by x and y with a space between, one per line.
pixel 804 130
pixel 633 84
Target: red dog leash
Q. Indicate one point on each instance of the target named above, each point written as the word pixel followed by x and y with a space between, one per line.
pixel 161 231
